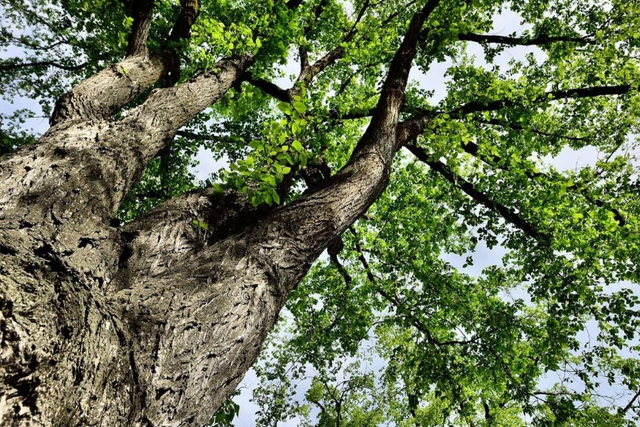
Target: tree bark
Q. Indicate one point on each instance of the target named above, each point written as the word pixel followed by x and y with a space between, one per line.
pixel 154 323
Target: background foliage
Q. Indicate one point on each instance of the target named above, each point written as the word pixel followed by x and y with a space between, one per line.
pixel 386 329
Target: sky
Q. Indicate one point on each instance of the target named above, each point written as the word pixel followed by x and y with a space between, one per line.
pixel 504 24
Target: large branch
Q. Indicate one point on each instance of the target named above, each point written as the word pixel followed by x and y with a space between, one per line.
pixel 101 95
pixel 220 302
pixel 323 214
pixel 167 110
pixel 178 228
pixel 142 13
pixel 189 11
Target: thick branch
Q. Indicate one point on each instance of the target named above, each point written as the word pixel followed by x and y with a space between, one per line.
pixel 180 227
pixel 168 109
pixel 189 11
pixel 101 95
pixel 142 14
pixel 340 200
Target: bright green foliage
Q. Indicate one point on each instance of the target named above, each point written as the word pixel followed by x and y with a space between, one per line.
pixel 225 415
pixel 392 330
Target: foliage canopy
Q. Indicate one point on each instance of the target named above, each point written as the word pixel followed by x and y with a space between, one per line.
pixel 387 326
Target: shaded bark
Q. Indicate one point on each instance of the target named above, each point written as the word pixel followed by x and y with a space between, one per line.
pixel 142 12
pixel 68 351
pixel 154 323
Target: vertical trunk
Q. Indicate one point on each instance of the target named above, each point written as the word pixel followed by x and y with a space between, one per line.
pixel 63 355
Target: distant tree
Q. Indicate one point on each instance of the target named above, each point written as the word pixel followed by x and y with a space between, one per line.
pixel 131 296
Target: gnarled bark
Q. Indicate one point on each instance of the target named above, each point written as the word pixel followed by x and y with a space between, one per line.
pixel 154 323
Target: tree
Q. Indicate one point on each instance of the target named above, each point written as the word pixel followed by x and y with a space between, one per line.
pixel 132 297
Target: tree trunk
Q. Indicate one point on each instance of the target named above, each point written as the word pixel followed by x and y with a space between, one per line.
pixel 154 323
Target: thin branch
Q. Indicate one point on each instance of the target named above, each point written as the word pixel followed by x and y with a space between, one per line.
pixel 523 41
pixel 577 93
pixel 630 404
pixel 308 72
pixel 268 87
pixel 496 161
pixel 411 128
pixel 399 305
pixel 41 64
pixel 22 40
pixel 495 122
pixel 203 137
pixel 507 213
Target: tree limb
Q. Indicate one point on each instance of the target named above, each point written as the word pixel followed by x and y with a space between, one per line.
pixel 508 214
pixel 412 127
pixel 168 109
pixel 523 41
pixel 142 13
pixel 268 87
pixel 114 86
pixel 189 11
pixel 631 402
pixel 5 66
pixel 497 161
pixel 495 122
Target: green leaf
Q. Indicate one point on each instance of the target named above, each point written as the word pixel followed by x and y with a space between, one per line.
pixel 285 108
pixel 300 107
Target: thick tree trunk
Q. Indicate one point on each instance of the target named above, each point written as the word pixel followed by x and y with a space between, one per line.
pixel 141 325
pixel 67 350
pixel 154 323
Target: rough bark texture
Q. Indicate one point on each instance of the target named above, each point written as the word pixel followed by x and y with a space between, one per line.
pixel 154 323
pixel 67 350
